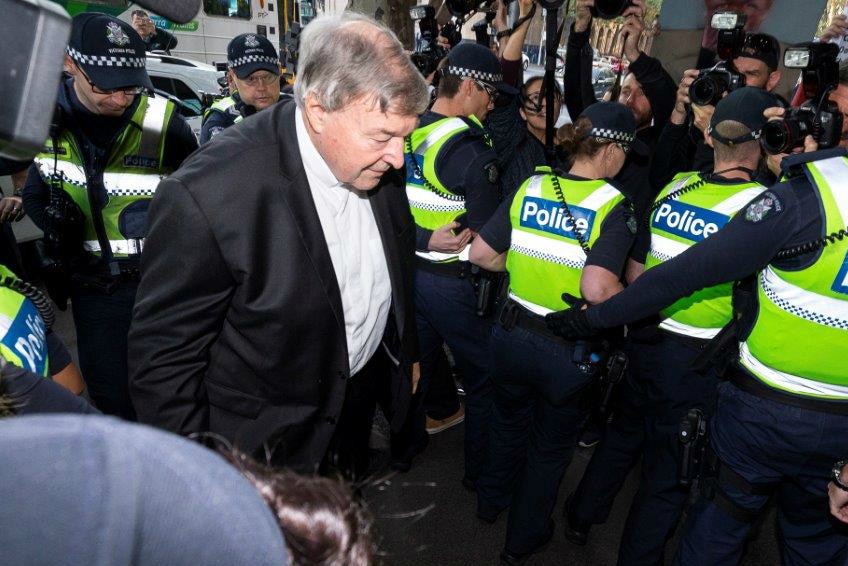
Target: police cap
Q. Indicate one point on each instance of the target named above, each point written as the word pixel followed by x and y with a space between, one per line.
pixel 109 51
pixel 746 106
pixel 249 52
pixel 475 61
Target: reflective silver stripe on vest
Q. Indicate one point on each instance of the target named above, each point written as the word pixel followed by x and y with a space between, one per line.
pixel 451 126
pixel 534 186
pixel 70 172
pixel 425 199
pixel 788 381
pixel 599 197
pixel 810 306
pixel 130 184
pixel 439 257
pixel 835 173
pixel 532 307
pixel 695 332
pixel 152 126
pixel 125 247
pixel 548 249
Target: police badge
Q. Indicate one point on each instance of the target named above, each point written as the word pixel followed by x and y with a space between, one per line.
pixel 251 41
pixel 116 35
pixel 756 211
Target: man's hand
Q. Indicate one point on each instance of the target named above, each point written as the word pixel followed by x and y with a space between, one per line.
pixel 571 324
pixel 838 500
pixel 11 209
pixel 444 240
pixel 678 115
pixel 774 161
pixel 703 115
pixel 416 376
pixel 837 28
pixel 637 8
pixel 632 32
pixel 582 15
pixel 524 7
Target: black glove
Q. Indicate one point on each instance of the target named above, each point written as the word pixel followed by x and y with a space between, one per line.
pixel 571 324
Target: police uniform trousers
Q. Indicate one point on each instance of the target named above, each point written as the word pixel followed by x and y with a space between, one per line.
pixel 660 389
pixel 446 313
pixel 538 413
pixel 102 323
pixel 791 449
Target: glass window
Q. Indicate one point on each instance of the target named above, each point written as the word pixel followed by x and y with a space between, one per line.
pixel 227 8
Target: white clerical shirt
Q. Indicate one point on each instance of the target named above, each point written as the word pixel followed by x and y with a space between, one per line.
pixel 355 250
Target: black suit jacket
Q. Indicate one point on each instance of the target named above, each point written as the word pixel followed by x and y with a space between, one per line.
pixel 238 327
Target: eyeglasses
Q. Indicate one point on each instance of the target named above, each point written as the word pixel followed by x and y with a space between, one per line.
pixel 489 89
pixel 129 90
pixel 264 79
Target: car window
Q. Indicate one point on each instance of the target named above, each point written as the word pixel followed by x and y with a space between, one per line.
pixel 179 89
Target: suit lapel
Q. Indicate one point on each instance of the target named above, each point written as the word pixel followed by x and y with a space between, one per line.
pixel 295 190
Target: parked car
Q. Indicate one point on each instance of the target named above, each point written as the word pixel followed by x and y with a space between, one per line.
pixel 602 80
pixel 525 60
pixel 185 81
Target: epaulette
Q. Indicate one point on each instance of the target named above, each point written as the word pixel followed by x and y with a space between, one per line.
pixel 792 165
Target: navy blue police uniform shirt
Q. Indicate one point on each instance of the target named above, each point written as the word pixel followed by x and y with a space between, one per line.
pixel 217 121
pixel 609 251
pixel 784 216
pixel 468 167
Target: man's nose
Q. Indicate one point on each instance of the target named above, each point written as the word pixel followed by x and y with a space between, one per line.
pixel 394 152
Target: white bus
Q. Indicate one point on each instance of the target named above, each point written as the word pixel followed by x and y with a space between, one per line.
pixel 205 38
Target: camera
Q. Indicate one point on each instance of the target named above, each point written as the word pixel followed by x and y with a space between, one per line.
pixel 714 82
pixel 821 119
pixel 609 9
pixel 428 53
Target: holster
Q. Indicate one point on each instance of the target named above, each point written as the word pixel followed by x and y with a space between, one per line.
pixel 487 286
pixel 694 444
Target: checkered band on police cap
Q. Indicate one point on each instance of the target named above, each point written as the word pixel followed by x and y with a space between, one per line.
pixel 106 60
pixel 247 59
pixel 492 78
pixel 612 135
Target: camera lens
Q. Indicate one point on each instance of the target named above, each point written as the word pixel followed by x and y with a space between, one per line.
pixel 707 90
pixel 776 137
pixel 609 9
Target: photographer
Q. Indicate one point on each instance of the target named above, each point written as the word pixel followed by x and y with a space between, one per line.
pixel 90 187
pixel 253 68
pixel 518 124
pixel 780 421
pixel 661 387
pixel 681 145
pixel 155 39
pixel 647 90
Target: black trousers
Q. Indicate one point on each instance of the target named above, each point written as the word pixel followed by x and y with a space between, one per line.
pixel 658 392
pixel 348 452
pixel 102 324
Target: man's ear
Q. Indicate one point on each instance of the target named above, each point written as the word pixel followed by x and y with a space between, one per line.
pixel 70 68
pixel 773 79
pixel 315 113
pixel 708 139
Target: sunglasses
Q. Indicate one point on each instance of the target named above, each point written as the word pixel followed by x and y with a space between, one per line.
pixel 129 90
pixel 490 90
pixel 623 147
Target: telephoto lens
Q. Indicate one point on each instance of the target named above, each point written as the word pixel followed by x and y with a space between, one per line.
pixel 780 136
pixel 707 89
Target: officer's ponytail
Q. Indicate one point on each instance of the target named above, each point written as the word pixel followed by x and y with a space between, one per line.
pixel 573 139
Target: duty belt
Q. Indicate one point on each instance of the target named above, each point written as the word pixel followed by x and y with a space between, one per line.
pixel 513 314
pixel 459 269
pixel 750 384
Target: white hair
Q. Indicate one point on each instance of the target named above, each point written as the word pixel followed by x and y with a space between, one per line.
pixel 349 56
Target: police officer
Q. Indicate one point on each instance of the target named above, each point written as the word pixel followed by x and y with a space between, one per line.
pixel 90 187
pixel 452 186
pixel 561 232
pixel 30 351
pixel 780 421
pixel 254 72
pixel 662 386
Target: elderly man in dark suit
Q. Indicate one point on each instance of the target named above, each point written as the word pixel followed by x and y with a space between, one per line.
pixel 275 301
